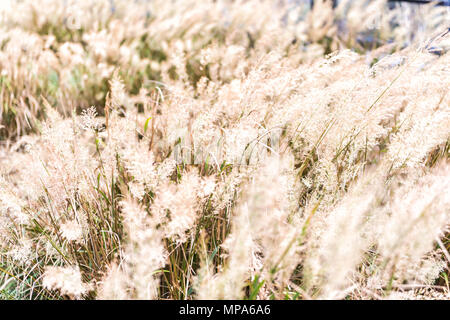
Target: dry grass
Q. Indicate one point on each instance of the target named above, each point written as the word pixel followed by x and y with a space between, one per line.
pixel 224 150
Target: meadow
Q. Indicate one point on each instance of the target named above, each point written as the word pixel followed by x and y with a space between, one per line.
pixel 244 149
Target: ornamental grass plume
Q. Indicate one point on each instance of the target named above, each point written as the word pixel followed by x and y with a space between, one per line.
pixel 65 279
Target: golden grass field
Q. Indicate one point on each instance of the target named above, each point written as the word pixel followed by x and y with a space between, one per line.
pixel 224 149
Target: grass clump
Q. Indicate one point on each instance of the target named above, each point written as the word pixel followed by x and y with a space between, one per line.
pixel 223 150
